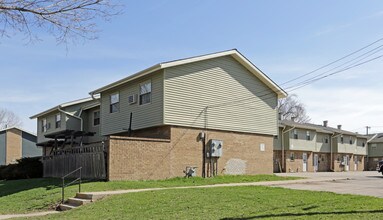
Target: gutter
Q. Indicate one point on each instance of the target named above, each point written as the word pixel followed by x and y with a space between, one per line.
pixel 74 116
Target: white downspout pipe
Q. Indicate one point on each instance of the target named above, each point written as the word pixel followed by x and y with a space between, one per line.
pixel 368 158
pixel 331 151
pixel 74 116
pixel 283 145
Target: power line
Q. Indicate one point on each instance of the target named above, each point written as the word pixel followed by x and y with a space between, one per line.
pixel 329 64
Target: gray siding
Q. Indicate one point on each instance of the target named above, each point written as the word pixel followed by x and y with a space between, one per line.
pixel 2 148
pixel 67 122
pixel 302 143
pixel 50 119
pixel 144 116
pixel 88 125
pixel 29 148
pixel 375 149
pixel 191 87
pixel 321 145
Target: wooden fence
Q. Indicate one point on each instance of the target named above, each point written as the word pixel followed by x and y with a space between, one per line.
pixel 92 159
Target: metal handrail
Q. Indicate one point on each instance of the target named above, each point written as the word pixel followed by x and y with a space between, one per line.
pixel 66 185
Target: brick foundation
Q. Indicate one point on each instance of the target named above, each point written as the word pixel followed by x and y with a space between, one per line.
pixel 137 158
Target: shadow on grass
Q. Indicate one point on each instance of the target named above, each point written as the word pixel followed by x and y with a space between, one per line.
pixel 9 187
pixel 303 214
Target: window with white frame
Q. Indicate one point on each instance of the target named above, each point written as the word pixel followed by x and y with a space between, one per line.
pixel 341 139
pixel 96 118
pixel 326 140
pixel 145 93
pixel 308 137
pixel 351 140
pixel 58 120
pixel 114 102
pixel 295 134
pixel 44 125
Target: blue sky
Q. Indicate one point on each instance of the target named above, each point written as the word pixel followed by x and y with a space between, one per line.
pixel 284 39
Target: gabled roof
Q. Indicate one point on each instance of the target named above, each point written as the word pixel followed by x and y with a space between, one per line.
pixel 66 104
pixel 378 138
pixel 234 53
pixel 20 129
pixel 320 128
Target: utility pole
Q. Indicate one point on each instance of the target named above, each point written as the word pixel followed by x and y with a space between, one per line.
pixel 367 128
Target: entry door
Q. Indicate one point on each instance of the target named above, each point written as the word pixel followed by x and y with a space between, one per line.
pixel 356 163
pixel 346 160
pixel 304 157
pixel 315 162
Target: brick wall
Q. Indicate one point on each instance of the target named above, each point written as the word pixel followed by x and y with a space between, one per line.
pixel 371 163
pixel 13 145
pixel 142 158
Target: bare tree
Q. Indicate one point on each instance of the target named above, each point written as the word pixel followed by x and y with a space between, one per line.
pixel 292 109
pixel 64 19
pixel 9 119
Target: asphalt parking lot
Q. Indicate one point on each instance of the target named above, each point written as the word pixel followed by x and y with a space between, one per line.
pixel 367 183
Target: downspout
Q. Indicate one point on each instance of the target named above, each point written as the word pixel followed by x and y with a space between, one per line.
pixel 283 145
pixel 331 151
pixel 368 158
pixel 74 116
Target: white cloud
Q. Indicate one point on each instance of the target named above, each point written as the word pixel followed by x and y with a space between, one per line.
pixel 352 107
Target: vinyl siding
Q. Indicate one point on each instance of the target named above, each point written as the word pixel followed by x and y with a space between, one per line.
pixel 29 148
pixel 375 151
pixel 88 125
pixel 301 143
pixel 321 145
pixel 50 119
pixel 67 122
pixel 191 87
pixel 360 150
pixel 2 148
pixel 346 147
pixel 144 116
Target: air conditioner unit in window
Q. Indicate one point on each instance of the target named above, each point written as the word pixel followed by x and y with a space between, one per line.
pixel 132 99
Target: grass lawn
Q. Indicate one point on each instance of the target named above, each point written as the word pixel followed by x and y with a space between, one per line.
pixel 246 202
pixel 25 196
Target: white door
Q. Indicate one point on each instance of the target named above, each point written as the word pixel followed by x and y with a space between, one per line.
pixel 346 163
pixel 355 163
pixel 304 158
pixel 315 162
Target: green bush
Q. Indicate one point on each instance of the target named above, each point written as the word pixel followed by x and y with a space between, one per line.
pixel 25 168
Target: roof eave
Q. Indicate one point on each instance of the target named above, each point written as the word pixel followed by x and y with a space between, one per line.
pixel 127 79
pixel 45 112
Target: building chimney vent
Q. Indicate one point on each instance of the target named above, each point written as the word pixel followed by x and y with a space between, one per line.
pixel 325 123
pixel 340 127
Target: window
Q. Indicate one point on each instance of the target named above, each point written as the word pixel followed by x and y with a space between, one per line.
pixel 295 134
pixel 114 102
pixel 363 144
pixel 96 118
pixel 44 125
pixel 326 140
pixel 275 137
pixel 58 120
pixel 292 156
pixel 308 135
pixel 351 140
pixel 145 93
pixel 341 139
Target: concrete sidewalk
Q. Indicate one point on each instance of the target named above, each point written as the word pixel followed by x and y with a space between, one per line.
pixel 98 195
pixel 27 215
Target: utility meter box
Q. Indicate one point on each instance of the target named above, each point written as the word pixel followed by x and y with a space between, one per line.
pixel 215 148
